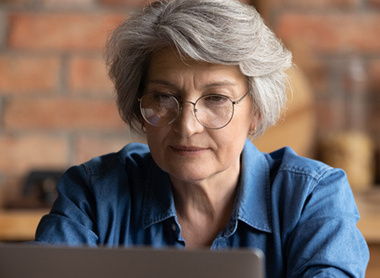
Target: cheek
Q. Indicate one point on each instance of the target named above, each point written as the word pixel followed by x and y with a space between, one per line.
pixel 156 141
pixel 241 122
pixel 155 135
pixel 232 139
pixel 237 131
pixel 153 139
pixel 231 143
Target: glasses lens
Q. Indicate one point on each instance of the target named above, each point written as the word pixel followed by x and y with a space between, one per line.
pixel 214 111
pixel 159 109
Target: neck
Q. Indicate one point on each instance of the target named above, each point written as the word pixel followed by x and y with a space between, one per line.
pixel 207 200
pixel 204 208
pixel 210 196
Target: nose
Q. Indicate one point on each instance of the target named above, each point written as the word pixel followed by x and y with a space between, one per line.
pixel 186 123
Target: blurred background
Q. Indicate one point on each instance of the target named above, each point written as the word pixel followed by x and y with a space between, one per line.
pixel 57 105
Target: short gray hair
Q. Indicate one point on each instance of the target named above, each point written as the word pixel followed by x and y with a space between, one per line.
pixel 214 31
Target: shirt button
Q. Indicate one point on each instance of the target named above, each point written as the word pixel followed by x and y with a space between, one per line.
pixel 174 227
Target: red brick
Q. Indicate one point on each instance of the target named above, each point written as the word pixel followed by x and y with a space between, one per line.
pixel 61 114
pixel 28 74
pixel 16 3
pixel 67 3
pixel 61 31
pixel 331 32
pixel 374 3
pixel 19 154
pixel 129 3
pixel 87 147
pixel 140 3
pixel 89 75
pixel 323 3
pixel 267 8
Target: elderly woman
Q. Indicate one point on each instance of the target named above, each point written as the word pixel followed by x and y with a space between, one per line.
pixel 199 77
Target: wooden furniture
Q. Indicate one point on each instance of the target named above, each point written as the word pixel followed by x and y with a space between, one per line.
pixel 19 225
pixel 368 203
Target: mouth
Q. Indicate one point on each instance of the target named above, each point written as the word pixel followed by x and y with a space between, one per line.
pixel 187 150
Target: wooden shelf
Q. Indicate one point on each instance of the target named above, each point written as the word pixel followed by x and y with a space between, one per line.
pixel 19 225
pixel 368 203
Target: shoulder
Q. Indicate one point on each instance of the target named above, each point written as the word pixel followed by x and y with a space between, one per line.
pixel 300 180
pixel 285 160
pixel 110 172
pixel 317 213
pixel 133 155
pixel 287 171
pixel 284 166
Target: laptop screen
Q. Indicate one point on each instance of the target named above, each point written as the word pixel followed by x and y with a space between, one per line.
pixel 34 261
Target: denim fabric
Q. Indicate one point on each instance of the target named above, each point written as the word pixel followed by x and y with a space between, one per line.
pixel 301 213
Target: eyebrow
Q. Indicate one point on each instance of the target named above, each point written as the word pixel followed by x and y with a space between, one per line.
pixel 209 85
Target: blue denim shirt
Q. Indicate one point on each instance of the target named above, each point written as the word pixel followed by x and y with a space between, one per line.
pixel 301 213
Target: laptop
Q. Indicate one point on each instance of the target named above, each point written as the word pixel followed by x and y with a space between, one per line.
pixel 32 261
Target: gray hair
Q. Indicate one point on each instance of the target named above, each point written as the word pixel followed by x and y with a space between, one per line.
pixel 213 31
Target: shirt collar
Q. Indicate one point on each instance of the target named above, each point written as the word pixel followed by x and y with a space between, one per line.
pixel 158 203
pixel 252 204
pixel 253 200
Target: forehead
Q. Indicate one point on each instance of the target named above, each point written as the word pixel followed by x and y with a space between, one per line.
pixel 168 64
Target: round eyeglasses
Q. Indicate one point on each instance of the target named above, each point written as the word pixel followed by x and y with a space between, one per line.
pixel 211 111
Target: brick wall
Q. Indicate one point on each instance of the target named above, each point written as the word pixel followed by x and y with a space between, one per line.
pixel 326 36
pixel 57 106
pixel 56 102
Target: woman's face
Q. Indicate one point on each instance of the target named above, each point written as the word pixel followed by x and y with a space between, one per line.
pixel 185 149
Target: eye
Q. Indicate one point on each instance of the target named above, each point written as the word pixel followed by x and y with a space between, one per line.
pixel 161 98
pixel 215 100
pixel 157 96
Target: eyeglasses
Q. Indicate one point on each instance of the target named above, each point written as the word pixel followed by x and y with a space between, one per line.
pixel 211 111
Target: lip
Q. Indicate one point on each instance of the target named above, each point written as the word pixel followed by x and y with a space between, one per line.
pixel 188 150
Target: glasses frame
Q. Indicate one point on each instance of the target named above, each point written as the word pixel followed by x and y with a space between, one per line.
pixel 180 107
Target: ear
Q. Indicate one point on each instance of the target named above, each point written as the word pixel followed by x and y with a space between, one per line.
pixel 255 121
pixel 143 127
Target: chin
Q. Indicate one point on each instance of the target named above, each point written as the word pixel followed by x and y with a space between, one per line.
pixel 188 175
